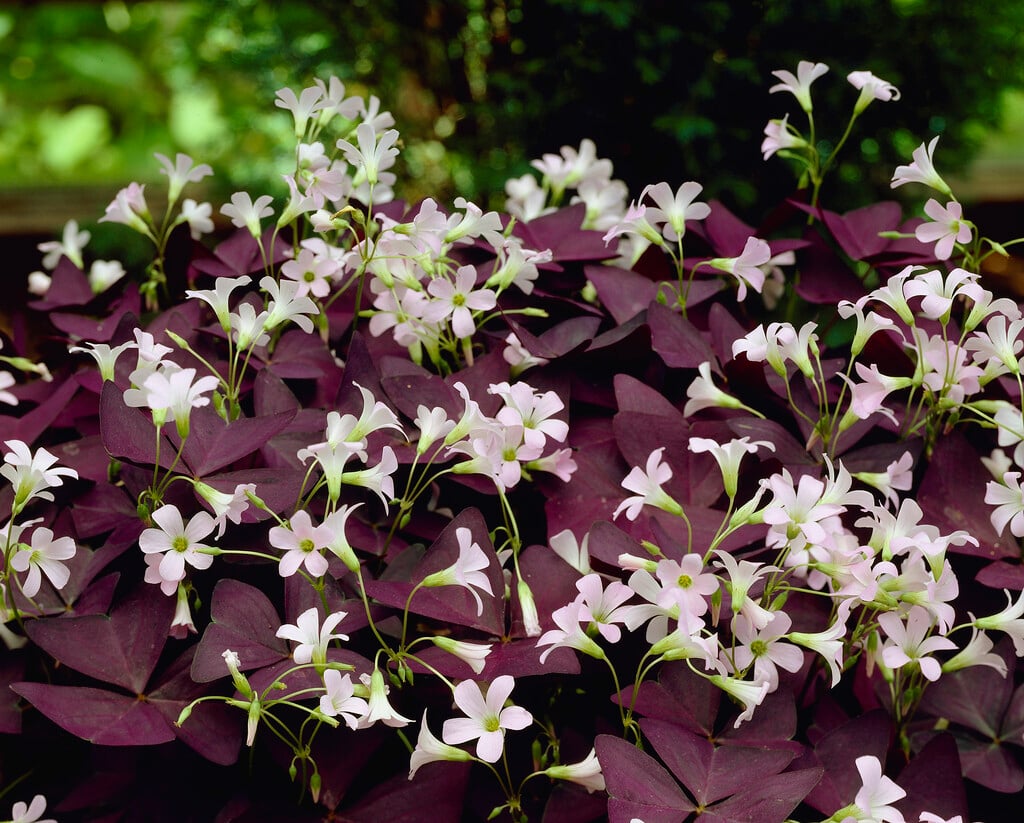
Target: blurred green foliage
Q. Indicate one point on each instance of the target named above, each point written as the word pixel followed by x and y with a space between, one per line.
pixel 669 90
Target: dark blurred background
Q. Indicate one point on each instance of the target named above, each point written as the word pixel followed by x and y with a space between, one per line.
pixel 668 89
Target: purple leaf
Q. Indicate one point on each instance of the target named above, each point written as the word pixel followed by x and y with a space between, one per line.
pixel 952 497
pixel 769 801
pixel 932 782
pixel 69 286
pixel 101 717
pixel 623 293
pixel 438 791
pixel 30 426
pixel 122 649
pixel 837 751
pixel 676 339
pixel 12 669
pixel 451 604
pixel 681 697
pixel 1002 575
pixel 128 433
pixel 213 729
pixel 569 803
pixel 242 619
pixel 301 355
pixel 213 444
pixel 638 785
pixel 857 232
pixel 560 339
pixel 561 233
pixel 824 278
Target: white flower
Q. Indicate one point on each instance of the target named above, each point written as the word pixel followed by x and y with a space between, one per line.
pixel 245 214
pixel 219 296
pixel 372 154
pixel 877 792
pixel 287 304
pixel 871 88
pixel 31 474
pixel 178 542
pixel 6 381
pixel 103 274
pixel 473 655
pixel 487 718
pixel 430 750
pixel 44 556
pixel 800 85
pixel 587 773
pixel 948 227
pixel 181 172
pixel 312 637
pixel 31 813
pixel 922 170
pixel 70 246
pixel 310 101
pixel 104 355
pixel 198 217
pixel 468 571
pixel 574 553
pixel 340 699
pixel 172 396
pixel 380 708
pixel 675 210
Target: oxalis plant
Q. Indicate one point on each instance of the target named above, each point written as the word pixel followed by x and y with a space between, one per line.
pixel 595 509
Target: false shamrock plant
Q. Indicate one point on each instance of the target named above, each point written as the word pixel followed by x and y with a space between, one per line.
pixel 639 535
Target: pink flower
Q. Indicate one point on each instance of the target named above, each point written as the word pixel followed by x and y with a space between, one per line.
pixel 601 606
pixel 487 718
pixel 779 136
pixel 312 275
pixel 764 649
pixel 911 643
pixel 570 633
pixel 948 228
pixel 129 207
pixel 647 487
pixel 458 300
pixel 744 268
pixel 468 571
pixel 303 543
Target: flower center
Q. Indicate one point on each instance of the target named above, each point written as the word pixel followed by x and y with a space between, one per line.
pixel 309 277
pixel 458 299
pixel 684 581
pixel 759 648
pixel 179 543
pixel 492 724
pixel 307 545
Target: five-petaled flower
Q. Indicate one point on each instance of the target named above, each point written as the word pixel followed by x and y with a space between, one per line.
pixel 487 718
pixel 177 542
